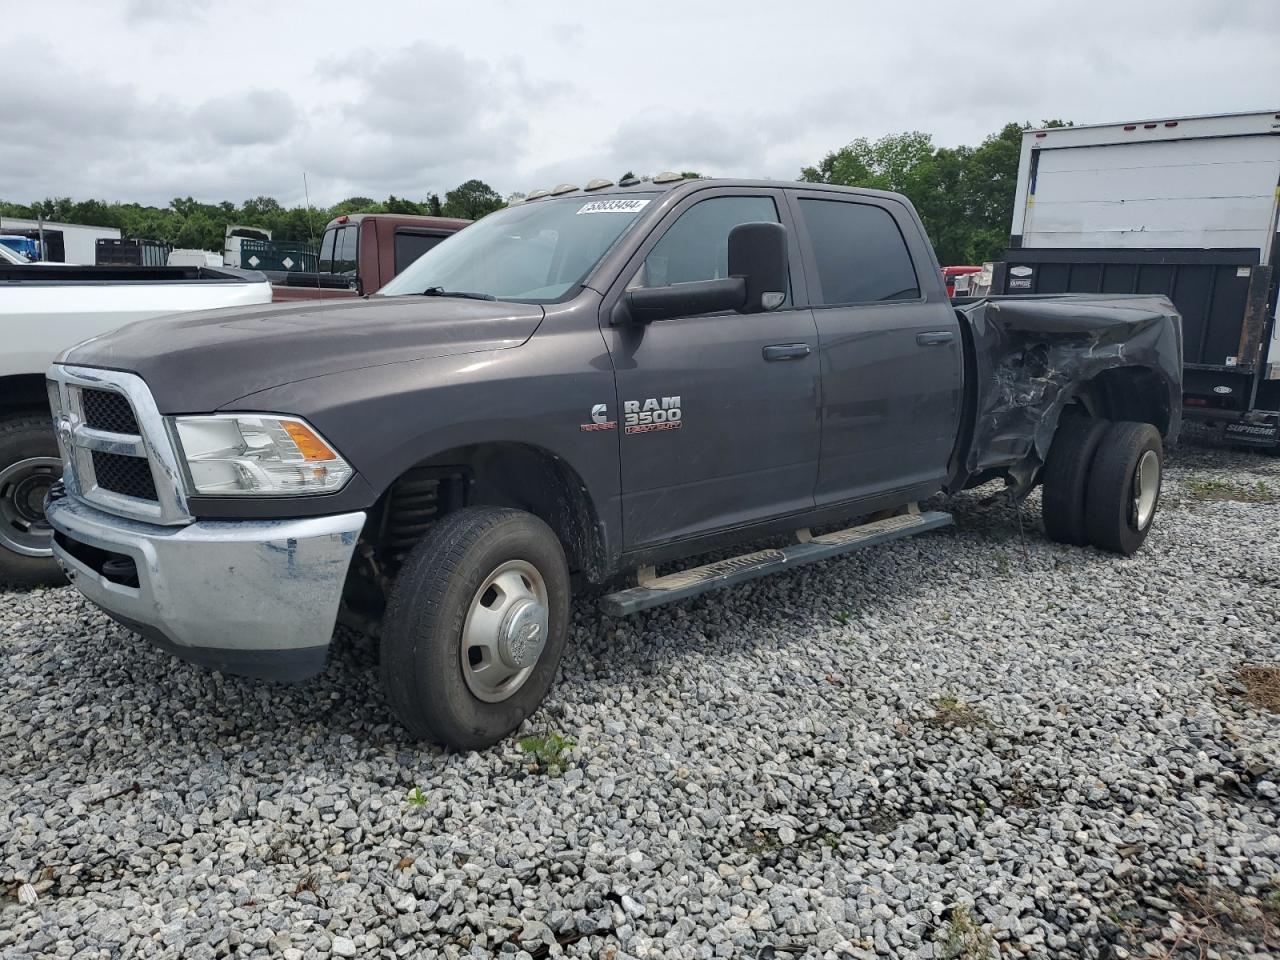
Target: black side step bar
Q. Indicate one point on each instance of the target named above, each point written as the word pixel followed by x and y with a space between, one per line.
pixel 655 591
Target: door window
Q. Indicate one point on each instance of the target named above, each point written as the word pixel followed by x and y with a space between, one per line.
pixel 696 247
pixel 860 254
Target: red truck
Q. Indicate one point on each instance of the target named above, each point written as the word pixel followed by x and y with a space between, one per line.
pixel 957 287
pixel 361 252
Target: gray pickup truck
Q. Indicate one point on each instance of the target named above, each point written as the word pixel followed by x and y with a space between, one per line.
pixel 580 389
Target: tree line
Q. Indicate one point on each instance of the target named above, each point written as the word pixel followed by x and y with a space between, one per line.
pixel 964 196
pixel 188 223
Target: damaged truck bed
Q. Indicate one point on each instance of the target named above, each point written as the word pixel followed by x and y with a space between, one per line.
pixel 1116 356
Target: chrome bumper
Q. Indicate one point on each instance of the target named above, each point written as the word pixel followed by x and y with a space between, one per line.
pixel 253 597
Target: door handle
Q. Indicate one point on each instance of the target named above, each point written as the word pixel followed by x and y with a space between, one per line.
pixel 934 337
pixel 786 351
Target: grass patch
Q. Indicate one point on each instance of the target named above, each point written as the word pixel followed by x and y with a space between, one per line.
pixel 1215 490
pixel 964 939
pixel 1214 918
pixel 951 711
pixel 547 753
pixel 416 798
pixel 1261 686
pixel 762 843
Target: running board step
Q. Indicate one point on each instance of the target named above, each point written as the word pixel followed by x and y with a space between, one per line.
pixel 750 566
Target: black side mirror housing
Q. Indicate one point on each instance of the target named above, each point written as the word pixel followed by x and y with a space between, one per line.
pixel 647 304
pixel 757 282
pixel 758 254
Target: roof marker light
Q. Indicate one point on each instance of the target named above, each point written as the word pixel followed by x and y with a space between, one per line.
pixel 563 188
pixel 1131 126
pixel 598 184
pixel 1148 126
pixel 1171 123
pixel 535 194
pixel 1041 134
pixel 667 176
pixel 343 219
pixel 628 182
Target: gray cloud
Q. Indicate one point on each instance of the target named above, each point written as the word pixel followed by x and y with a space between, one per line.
pixel 141 102
pixel 149 12
pixel 257 116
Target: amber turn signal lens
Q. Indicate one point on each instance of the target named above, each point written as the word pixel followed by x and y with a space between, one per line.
pixel 309 445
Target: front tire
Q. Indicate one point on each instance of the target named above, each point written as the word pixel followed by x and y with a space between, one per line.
pixel 475 626
pixel 29 465
pixel 1124 487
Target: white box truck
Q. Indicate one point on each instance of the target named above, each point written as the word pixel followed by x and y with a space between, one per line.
pixel 1186 207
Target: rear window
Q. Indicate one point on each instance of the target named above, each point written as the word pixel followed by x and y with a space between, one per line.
pixel 410 246
pixel 860 253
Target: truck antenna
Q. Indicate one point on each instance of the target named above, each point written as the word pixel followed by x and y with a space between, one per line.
pixel 311 226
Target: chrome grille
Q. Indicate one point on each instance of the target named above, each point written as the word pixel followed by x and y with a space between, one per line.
pixel 106 410
pixel 116 451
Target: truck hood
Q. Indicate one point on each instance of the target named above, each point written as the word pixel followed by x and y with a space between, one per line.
pixel 197 362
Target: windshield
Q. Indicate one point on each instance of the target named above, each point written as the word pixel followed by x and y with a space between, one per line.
pixel 534 252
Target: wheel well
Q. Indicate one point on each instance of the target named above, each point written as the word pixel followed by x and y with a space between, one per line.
pixel 1128 393
pixel 23 391
pixel 495 474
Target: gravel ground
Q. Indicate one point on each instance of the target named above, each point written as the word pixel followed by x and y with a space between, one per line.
pixel 972 743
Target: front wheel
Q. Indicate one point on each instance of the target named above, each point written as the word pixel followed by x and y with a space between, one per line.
pixel 475 626
pixel 1124 487
pixel 29 466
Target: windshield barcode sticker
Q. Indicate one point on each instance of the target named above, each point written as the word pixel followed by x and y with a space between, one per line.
pixel 613 206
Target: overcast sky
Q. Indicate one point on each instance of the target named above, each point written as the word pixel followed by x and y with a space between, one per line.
pixel 148 100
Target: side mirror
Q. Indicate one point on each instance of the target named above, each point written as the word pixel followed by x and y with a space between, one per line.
pixel 757 282
pixel 647 304
pixel 758 254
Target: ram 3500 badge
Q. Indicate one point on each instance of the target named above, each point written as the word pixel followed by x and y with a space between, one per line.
pixel 656 413
pixel 444 458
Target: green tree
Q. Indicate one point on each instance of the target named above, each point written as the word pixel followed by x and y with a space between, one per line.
pixel 963 194
pixel 885 164
pixel 471 200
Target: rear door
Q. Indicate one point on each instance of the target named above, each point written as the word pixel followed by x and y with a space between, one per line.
pixel 889 345
pixel 718 412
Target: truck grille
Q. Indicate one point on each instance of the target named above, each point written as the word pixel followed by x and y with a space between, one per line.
pixel 116 451
pixel 105 410
pixel 127 476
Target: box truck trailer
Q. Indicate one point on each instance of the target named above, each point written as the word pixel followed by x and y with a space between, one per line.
pixel 1185 207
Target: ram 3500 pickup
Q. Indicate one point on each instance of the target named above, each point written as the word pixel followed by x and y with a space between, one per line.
pixel 573 390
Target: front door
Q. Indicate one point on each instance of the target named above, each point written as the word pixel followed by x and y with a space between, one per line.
pixel 718 413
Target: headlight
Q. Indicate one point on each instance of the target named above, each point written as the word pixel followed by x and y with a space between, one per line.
pixel 245 455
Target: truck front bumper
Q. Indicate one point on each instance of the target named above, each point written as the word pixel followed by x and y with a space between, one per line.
pixel 257 598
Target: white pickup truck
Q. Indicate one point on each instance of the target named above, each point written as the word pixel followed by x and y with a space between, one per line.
pixel 44 309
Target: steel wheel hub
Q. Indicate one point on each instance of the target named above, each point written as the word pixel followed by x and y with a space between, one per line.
pixel 23 486
pixel 1146 487
pixel 505 631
